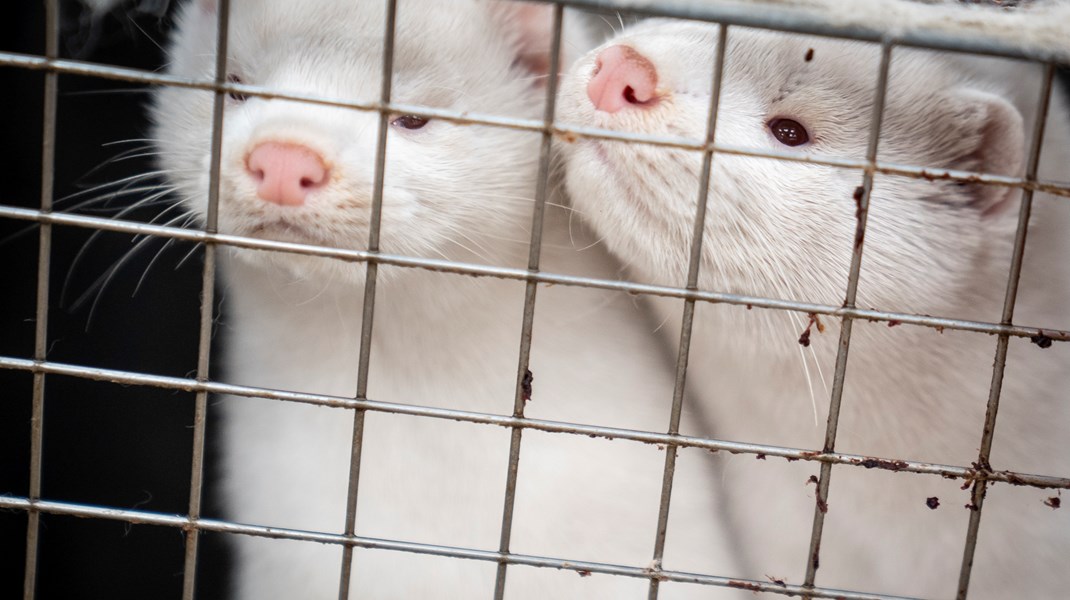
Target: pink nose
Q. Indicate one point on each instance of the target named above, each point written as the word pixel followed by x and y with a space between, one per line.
pixel 622 77
pixel 286 173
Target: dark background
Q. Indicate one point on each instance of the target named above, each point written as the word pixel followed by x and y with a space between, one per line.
pixel 104 444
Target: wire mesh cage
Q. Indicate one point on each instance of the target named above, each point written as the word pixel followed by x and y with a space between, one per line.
pixel 201 385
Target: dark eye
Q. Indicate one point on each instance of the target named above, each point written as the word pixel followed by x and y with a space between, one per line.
pixel 788 132
pixel 409 122
pixel 236 96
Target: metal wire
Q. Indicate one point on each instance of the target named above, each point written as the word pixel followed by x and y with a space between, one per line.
pixel 566 132
pixel 684 346
pixel 979 487
pixel 159 519
pixel 710 444
pixel 520 395
pixel 477 270
pixel 200 410
pixel 44 257
pixel 368 307
pixel 861 215
pixel 727 14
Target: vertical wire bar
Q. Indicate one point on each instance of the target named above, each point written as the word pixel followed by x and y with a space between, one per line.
pixel 862 215
pixel 189 573
pixel 980 486
pixel 684 350
pixel 534 250
pixel 44 257
pixel 368 310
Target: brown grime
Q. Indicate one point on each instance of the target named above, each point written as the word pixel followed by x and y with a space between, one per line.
pixel 804 337
pixel 1041 340
pixel 776 580
pixel 891 465
pixel 744 585
pixel 525 385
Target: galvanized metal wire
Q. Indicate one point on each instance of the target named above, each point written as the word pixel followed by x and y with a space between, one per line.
pixel 200 410
pixel 520 395
pixel 40 347
pixel 368 307
pixel 684 347
pixel 977 495
pixel 192 523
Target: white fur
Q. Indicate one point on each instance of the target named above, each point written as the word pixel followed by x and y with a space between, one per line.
pixel 291 322
pixel 786 230
pixel 1037 26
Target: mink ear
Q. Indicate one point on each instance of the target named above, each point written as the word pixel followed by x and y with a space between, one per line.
pixel 531 27
pixel 985 134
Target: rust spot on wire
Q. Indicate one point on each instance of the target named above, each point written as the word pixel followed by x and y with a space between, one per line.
pixel 932 502
pixel 744 585
pixel 1041 340
pixel 525 385
pixel 1054 502
pixel 972 506
pixel 891 465
pixel 947 176
pixel 813 479
pixel 894 323
pixel 822 505
pixel 583 573
pixel 777 580
pixel 759 456
pixel 860 232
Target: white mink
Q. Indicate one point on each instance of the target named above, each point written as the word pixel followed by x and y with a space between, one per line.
pixel 294 322
pixel 786 230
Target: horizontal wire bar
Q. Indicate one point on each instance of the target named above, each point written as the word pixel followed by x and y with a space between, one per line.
pixel 140 517
pixel 795 21
pixel 567 132
pixel 477 270
pixel 595 431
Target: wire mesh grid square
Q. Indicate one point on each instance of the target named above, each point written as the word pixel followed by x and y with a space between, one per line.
pixel 193 523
